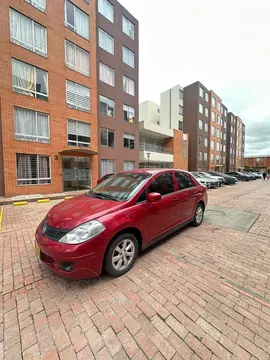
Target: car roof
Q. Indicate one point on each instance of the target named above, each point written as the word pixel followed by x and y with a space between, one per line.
pixel 151 171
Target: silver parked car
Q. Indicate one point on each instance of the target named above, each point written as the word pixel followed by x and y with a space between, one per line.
pixel 209 183
pixel 219 178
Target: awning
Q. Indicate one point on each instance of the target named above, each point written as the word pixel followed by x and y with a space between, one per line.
pixel 81 151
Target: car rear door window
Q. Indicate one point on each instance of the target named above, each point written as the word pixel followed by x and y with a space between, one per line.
pixel 163 184
pixel 183 181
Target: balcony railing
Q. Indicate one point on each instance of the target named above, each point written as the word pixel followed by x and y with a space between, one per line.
pixel 155 148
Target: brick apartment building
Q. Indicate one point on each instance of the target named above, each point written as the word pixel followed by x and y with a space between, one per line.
pixel 68 93
pixel 212 138
pixel 260 163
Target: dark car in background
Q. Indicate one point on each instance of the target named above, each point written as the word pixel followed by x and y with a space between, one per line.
pixel 228 180
pixel 239 175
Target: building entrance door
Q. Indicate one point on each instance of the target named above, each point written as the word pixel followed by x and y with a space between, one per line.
pixel 76 173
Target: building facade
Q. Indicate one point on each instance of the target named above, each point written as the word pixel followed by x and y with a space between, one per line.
pixel 162 141
pixel 260 163
pixel 50 87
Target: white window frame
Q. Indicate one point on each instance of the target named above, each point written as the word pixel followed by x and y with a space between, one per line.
pixel 107 132
pixel 214 103
pixel 106 97
pixel 33 136
pixel 37 5
pixel 25 45
pixel 108 67
pixel 213 144
pixel 206 142
pixel 38 179
pixel 129 137
pixel 77 142
pixel 200 122
pixel 201 108
pixel 108 3
pixel 128 107
pixel 206 111
pixel 76 106
pixel 206 97
pixel 130 32
pixel 72 27
pixel 107 37
pixel 124 76
pixel 201 92
pixel 107 161
pixel 130 57
pixel 206 127
pixel 73 67
pixel 129 162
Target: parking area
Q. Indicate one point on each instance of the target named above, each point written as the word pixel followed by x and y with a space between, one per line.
pixel 203 293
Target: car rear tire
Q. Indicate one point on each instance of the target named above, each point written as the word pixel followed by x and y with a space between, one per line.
pixel 198 215
pixel 121 255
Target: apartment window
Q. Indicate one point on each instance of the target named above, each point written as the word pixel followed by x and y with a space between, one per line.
pixel 217 157
pixel 201 108
pixel 180 110
pixel 224 124
pixel 181 94
pixel 225 112
pixel 77 59
pixel 205 142
pixel 129 165
pixel 200 124
pixel 224 148
pixel 213 102
pixel 29 80
pixel 106 106
pixel 28 33
pixel 212 144
pixel 232 130
pixel 39 4
pixel 206 111
pixel 206 97
pixel 224 160
pixel 106 41
pixel 213 130
pixel 128 85
pixel 231 151
pixel 219 106
pixel 31 125
pixel 79 133
pixel 129 141
pixel 222 110
pixel 205 156
pixel 201 92
pixel 218 133
pixel 200 140
pixel 224 136
pixel 76 20
pixel 212 157
pixel 217 146
pixel 200 155
pixel 213 116
pixel 128 27
pixel 184 148
pixel 33 169
pixel 106 9
pixel 218 120
pixel 231 140
pixel 206 127
pixel 78 96
pixel 106 137
pixel 106 74
pixel 128 57
pixel 129 113
pixel 107 167
pixel 180 125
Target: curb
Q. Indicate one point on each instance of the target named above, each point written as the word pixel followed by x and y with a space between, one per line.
pixel 39 201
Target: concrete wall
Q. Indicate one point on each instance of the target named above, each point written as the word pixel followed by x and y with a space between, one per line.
pixel 169 112
pixel 149 112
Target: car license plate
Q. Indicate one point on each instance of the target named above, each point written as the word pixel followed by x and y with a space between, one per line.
pixel 37 249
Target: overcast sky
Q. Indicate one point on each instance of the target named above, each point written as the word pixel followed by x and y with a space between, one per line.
pixel 223 44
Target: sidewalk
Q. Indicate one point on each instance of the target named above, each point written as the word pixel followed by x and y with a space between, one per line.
pixel 36 197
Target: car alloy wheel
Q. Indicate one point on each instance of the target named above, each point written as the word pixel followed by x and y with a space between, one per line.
pixel 121 254
pixel 198 216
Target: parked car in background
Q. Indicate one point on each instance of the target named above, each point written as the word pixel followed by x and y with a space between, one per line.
pixel 104 178
pixel 207 174
pixel 208 182
pixel 229 180
pixel 106 227
pixel 252 175
pixel 239 175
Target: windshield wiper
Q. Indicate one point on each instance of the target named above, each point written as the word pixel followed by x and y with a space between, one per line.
pixel 102 196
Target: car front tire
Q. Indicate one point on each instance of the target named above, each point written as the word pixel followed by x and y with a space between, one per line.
pixel 198 215
pixel 121 255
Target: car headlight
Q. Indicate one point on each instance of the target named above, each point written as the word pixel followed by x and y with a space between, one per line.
pixel 83 232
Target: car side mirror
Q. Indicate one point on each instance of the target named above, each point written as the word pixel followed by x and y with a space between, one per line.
pixel 153 197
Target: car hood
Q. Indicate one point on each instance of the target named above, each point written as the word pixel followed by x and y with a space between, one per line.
pixel 206 179
pixel 71 213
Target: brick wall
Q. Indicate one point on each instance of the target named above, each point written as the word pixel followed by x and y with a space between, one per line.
pixel 176 144
pixel 56 107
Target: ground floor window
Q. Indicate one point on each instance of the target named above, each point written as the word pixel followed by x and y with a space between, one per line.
pixel 107 167
pixel 129 165
pixel 33 169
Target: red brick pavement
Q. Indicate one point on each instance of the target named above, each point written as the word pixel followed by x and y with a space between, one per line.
pixel 204 293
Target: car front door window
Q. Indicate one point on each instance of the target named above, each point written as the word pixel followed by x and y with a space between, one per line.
pixel 163 184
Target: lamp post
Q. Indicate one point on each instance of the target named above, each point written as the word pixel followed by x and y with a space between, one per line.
pixel 148 156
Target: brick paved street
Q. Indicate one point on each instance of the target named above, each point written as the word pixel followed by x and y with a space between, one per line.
pixel 204 293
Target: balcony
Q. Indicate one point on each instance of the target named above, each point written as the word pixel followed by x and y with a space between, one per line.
pixel 155 148
pixel 158 153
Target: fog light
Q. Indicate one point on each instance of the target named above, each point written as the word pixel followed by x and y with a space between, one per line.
pixel 67 266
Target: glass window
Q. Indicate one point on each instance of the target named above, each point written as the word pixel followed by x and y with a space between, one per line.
pixel 39 4
pixel 31 125
pixel 219 106
pixel 28 33
pixel 201 108
pixel 212 158
pixel 225 112
pixel 224 136
pixel 78 96
pixel 184 148
pixel 129 165
pixel 129 141
pixel 205 141
pixel 213 144
pixel 33 169
pixel 106 137
pixel 79 133
pixel 218 120
pixel 106 106
pixel 107 167
pixel 106 41
pixel 201 92
pixel 163 184
pixel 29 80
pixel 181 94
pixel 205 156
pixel 77 59
pixel 212 130
pixel 128 57
pixel 200 155
pixel 200 124
pixel 217 146
pixel 218 133
pixel 128 27
pixel 128 85
pixel 180 125
pixel 206 111
pixel 213 116
pixel 224 148
pixel 213 102
pixel 106 74
pixel 200 140
pixel 76 20
pixel 206 127
pixel 206 97
pixel 129 113
pixel 180 110
pixel 106 9
pixel 183 180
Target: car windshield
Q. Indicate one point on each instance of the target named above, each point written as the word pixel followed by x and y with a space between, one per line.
pixel 119 187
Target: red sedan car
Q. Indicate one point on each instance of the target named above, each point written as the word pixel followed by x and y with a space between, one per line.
pixel 106 227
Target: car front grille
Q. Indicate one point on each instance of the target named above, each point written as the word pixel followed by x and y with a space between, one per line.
pixel 47 259
pixel 54 233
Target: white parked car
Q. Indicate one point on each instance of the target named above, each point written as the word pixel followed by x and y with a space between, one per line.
pixel 209 183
